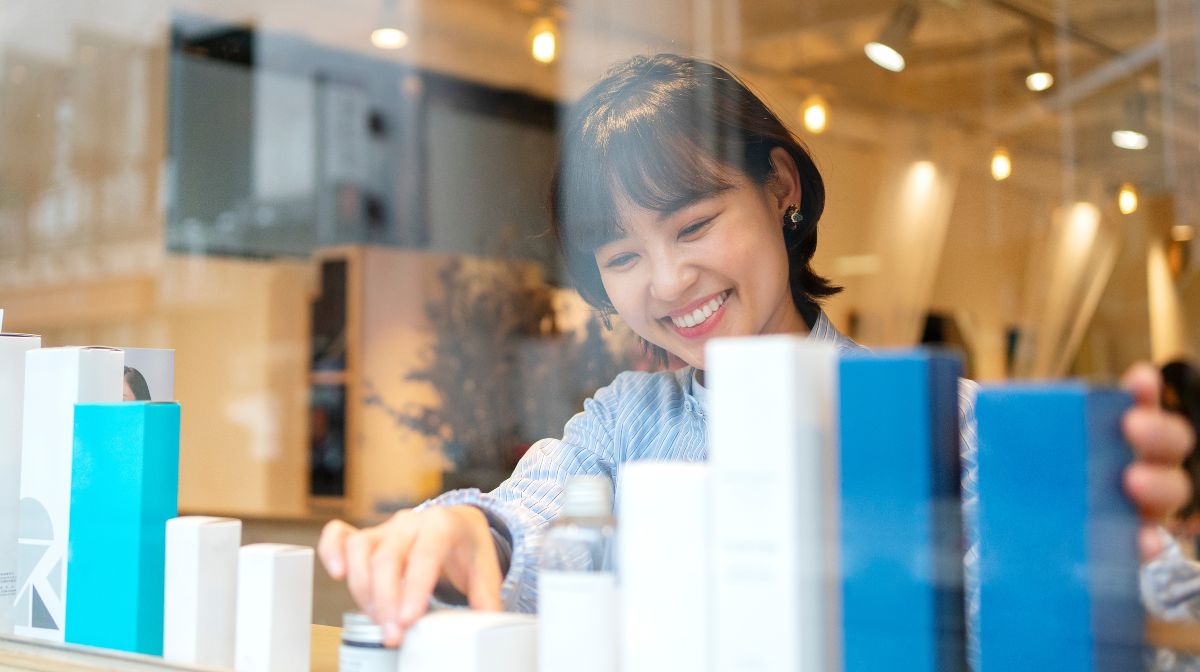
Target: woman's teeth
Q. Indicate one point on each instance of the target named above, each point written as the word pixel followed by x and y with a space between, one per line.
pixel 699 315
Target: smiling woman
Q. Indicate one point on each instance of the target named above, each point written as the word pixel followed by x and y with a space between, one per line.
pixel 696 175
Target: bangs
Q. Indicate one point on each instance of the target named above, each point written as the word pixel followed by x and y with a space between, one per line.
pixel 658 161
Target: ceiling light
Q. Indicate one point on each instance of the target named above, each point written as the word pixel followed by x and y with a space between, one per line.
pixel 887 51
pixel 389 38
pixel 387 33
pixel 1001 164
pixel 1127 199
pixel 1132 132
pixel 543 41
pixel 1039 77
pixel 815 113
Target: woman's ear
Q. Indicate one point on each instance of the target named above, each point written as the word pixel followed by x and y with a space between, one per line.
pixel 784 183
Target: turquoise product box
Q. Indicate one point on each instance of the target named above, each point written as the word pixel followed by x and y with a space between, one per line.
pixel 901 522
pixel 1058 560
pixel 124 489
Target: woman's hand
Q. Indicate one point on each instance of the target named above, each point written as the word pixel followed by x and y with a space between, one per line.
pixel 392 568
pixel 1155 481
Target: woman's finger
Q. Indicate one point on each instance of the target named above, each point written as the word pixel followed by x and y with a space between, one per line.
pixel 1158 491
pixel 359 549
pixel 388 567
pixel 425 560
pixel 1158 436
pixel 484 579
pixel 1144 382
pixel 1150 543
pixel 332 547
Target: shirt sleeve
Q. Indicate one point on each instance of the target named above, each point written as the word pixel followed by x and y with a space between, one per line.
pixel 521 508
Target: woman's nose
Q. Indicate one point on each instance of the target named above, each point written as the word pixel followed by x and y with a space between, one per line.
pixel 670 279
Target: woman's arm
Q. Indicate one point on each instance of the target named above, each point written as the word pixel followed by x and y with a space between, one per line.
pixel 393 568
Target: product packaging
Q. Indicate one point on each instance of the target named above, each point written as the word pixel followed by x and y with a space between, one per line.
pixel 55 380
pixel 773 460
pixel 124 489
pixel 664 552
pixel 901 512
pixel 200 601
pixel 12 406
pixel 461 640
pixel 1057 535
pixel 274 608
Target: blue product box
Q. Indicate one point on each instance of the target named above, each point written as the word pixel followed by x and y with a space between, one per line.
pixel 901 539
pixel 1058 561
pixel 124 488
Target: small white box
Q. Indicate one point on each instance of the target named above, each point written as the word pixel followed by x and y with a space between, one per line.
pixel 12 403
pixel 773 460
pixel 274 608
pixel 663 555
pixel 55 380
pixel 200 592
pixel 461 640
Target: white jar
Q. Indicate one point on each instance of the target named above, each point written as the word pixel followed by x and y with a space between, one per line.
pixel 362 648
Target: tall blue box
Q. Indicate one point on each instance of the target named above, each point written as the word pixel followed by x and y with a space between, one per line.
pixel 124 488
pixel 901 539
pixel 1058 562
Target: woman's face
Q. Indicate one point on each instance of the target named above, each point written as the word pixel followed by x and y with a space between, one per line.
pixel 717 267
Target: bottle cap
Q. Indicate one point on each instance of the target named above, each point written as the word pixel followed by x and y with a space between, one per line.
pixel 360 629
pixel 588 497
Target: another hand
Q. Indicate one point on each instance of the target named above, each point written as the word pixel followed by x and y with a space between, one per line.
pixel 393 568
pixel 1156 481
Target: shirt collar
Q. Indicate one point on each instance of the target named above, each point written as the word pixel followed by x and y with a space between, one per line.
pixel 822 331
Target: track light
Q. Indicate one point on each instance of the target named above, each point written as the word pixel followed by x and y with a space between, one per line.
pixel 1131 134
pixel 1039 77
pixel 388 33
pixel 1127 199
pixel 815 114
pixel 887 51
pixel 543 40
pixel 1001 164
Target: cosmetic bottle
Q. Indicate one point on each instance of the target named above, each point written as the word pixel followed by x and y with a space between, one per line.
pixel 577 586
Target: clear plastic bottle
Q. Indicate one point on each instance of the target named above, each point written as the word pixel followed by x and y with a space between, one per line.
pixel 577 585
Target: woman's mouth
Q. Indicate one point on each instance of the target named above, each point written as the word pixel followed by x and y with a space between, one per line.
pixel 703 319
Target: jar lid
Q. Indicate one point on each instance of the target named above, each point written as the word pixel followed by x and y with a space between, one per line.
pixel 360 629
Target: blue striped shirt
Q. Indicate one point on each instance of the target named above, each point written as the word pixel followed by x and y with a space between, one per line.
pixel 660 416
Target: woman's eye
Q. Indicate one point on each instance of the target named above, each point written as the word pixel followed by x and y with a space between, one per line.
pixel 621 260
pixel 693 229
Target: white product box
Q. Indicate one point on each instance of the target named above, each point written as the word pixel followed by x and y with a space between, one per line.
pixel 55 380
pixel 274 608
pixel 12 404
pixel 149 374
pixel 461 640
pixel 200 592
pixel 664 556
pixel 773 460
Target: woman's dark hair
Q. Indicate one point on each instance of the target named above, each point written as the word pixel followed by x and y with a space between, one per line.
pixel 664 131
pixel 137 384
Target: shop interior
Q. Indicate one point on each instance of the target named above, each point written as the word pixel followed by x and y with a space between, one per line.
pixel 336 213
